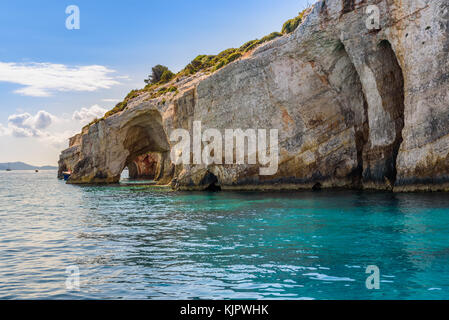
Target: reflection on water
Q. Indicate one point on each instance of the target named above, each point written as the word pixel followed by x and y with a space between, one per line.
pixel 141 242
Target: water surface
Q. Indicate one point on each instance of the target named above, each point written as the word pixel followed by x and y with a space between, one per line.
pixel 139 242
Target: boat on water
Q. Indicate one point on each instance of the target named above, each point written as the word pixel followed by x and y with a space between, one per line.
pixel 8 169
pixel 66 175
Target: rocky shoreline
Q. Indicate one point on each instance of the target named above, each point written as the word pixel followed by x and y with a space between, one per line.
pixel 355 108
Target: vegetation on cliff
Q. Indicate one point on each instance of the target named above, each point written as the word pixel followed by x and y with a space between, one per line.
pixel 291 25
pixel 161 75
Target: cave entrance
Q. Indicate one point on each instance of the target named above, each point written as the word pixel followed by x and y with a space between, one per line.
pixel 144 167
pixel 148 149
pixel 394 88
pixel 379 92
pixel 354 108
pixel 387 120
pixel 210 182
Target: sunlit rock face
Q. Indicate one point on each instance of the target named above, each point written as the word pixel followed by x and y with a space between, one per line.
pixel 355 107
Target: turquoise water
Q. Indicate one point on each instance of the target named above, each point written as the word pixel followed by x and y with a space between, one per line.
pixel 137 242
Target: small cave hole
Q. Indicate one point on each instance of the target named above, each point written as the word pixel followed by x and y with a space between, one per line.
pixel 317 187
pixel 211 181
pixel 213 188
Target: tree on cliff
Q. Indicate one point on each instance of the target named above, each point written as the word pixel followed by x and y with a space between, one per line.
pixel 160 74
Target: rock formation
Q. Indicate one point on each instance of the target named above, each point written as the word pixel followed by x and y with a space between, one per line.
pixel 355 107
pixel 146 166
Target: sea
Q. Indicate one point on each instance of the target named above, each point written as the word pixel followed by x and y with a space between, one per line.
pixel 137 241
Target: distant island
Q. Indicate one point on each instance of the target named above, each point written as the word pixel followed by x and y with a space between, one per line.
pixel 23 166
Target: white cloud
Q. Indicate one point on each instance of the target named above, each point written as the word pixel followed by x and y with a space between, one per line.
pixel 48 128
pixel 86 115
pixel 43 120
pixel 42 126
pixel 27 125
pixel 42 79
pixel 4 131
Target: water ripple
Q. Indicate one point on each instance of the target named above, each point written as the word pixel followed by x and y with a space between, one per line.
pixel 139 242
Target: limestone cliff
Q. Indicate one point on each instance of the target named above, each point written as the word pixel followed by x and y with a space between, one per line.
pixel 355 108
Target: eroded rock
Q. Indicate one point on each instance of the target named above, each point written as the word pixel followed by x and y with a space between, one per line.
pixel 355 108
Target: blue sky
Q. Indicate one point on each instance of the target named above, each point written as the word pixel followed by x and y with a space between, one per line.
pixel 54 80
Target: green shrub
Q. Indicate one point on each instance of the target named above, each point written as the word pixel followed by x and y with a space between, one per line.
pixel 157 72
pixel 132 94
pixel 166 76
pixel 292 24
pixel 248 45
pixel 163 91
pixel 220 64
pixel 234 56
pixel 270 37
pixel 211 62
pixel 119 107
pixel 225 53
pixel 201 62
pixel 149 87
pixel 253 46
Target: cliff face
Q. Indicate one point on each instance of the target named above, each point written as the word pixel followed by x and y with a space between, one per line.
pixel 355 107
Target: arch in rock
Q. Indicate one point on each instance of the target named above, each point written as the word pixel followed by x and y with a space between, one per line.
pixel 111 145
pixel 383 82
pixel 380 82
pixel 145 135
pixel 355 109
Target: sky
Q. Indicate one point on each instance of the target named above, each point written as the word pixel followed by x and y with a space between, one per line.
pixel 54 80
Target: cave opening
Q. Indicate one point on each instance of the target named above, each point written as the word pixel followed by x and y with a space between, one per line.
pixel 379 93
pixel 393 88
pixel 317 187
pixel 354 107
pixel 387 119
pixel 144 167
pixel 211 183
pixel 213 188
pixel 147 148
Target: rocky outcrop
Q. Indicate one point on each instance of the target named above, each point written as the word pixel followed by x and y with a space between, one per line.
pixel 355 107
